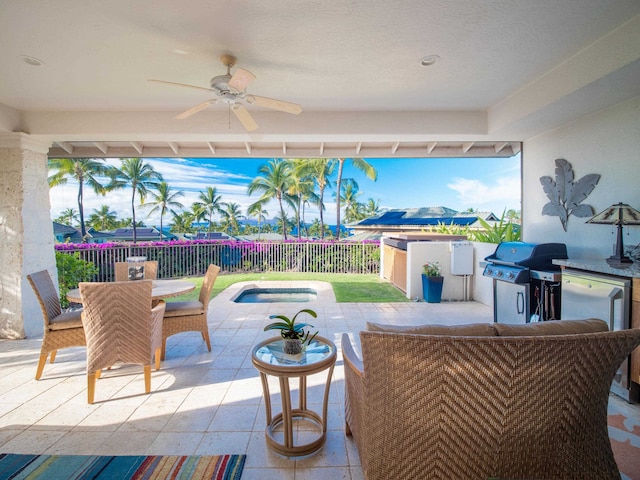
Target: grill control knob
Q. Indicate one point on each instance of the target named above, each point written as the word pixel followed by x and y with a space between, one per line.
pixel 511 275
pixel 499 273
pixel 489 271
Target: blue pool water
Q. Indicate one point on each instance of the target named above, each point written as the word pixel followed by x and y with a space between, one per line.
pixel 277 295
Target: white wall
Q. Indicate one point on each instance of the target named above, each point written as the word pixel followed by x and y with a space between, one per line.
pixel 418 253
pixel 606 143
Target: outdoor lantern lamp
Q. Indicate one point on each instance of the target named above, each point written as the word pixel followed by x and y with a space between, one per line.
pixel 619 214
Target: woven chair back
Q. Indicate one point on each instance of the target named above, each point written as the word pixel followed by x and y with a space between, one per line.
pixel 117 323
pixel 480 407
pixel 121 270
pixel 207 285
pixel 46 294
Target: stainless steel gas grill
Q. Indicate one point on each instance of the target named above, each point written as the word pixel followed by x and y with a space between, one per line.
pixel 526 284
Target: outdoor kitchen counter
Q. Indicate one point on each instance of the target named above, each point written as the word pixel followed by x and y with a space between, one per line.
pixel 600 266
pixel 633 271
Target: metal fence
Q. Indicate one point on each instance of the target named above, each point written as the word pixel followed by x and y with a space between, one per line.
pixel 191 259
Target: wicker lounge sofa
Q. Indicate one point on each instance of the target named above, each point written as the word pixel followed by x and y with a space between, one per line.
pixel 484 401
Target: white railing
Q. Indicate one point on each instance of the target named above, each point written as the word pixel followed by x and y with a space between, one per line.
pixel 189 259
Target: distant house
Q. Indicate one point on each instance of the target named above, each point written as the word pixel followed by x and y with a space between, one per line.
pixel 417 219
pixel 143 234
pixel 99 237
pixel 66 233
pixel 210 236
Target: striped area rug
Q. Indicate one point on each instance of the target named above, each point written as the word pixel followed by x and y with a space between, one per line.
pixel 152 467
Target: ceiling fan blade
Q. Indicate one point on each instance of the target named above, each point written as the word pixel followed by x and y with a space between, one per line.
pixel 274 104
pixel 245 117
pixel 180 85
pixel 240 79
pixel 196 109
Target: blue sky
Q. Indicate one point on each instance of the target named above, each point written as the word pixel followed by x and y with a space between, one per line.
pixel 486 184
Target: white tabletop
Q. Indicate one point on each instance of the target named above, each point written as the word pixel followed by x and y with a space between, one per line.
pixel 161 289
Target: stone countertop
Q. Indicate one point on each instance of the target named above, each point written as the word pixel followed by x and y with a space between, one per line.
pixel 600 266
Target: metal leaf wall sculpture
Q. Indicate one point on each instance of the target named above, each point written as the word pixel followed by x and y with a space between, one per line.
pixel 565 195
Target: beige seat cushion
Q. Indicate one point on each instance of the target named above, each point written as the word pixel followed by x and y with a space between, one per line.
pixel 178 309
pixel 552 327
pixel 468 330
pixel 70 319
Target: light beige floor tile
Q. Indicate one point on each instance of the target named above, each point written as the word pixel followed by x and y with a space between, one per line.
pixel 79 443
pixel 175 443
pixel 32 441
pixel 218 443
pixel 127 443
pixel 234 418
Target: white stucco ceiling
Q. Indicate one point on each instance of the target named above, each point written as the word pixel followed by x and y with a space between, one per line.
pixel 508 70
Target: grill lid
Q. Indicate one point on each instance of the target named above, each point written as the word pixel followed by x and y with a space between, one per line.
pixel 528 255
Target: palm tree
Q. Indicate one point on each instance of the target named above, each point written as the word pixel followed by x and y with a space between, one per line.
pixel 320 169
pixel 371 208
pixel 182 222
pixel 209 202
pixel 82 170
pixel 67 217
pixel 103 219
pixel 199 213
pixel 163 200
pixel 361 165
pixel 349 195
pixel 301 189
pixel 256 210
pixel 273 182
pixel 231 214
pixel 140 176
pixel 513 216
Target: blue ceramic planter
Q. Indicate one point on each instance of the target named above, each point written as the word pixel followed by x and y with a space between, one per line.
pixel 432 288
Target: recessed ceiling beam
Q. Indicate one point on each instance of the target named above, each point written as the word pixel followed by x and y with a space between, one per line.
pixel 321 148
pixel 284 148
pixel 499 146
pixel 247 146
pixel 138 147
pixel 174 147
pixel 67 147
pixel 358 148
pixel 212 147
pixel 467 146
pixel 431 146
pixel 103 147
pixel 394 147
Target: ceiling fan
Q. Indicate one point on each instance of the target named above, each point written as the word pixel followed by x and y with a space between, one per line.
pixel 231 89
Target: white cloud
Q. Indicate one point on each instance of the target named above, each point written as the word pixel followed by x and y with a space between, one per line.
pixel 504 192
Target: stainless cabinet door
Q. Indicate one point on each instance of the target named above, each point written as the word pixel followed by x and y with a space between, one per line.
pixel 511 303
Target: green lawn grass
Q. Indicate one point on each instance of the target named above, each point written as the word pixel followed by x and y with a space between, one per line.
pixel 346 287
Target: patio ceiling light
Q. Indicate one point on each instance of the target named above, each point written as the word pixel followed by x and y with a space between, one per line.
pixel 429 60
pixel 33 61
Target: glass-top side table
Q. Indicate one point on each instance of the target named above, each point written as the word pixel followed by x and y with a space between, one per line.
pixel 269 359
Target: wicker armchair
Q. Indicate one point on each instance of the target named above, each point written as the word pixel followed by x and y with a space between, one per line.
pixel 190 316
pixel 61 329
pixel 121 270
pixel 121 327
pixel 444 406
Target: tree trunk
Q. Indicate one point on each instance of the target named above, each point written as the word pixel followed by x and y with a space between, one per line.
pixel 338 182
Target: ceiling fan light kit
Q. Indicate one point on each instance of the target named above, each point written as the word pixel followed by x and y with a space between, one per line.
pixel 231 90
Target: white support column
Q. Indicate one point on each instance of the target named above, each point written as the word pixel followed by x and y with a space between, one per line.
pixel 26 232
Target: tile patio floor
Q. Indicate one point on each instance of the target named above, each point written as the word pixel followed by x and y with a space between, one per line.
pixel 211 402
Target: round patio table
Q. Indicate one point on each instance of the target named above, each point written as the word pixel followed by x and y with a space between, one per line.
pixel 269 359
pixel 161 289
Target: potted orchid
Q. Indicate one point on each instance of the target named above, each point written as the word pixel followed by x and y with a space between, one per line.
pixel 432 281
pixel 293 333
